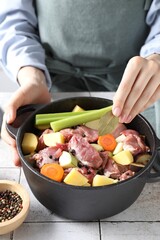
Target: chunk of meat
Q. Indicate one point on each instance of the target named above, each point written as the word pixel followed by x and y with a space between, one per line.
pixel 105 156
pixel 127 132
pixel 88 172
pixel 84 152
pixel 90 134
pixel 111 169
pixel 114 170
pixel 47 155
pixel 133 142
pixel 126 175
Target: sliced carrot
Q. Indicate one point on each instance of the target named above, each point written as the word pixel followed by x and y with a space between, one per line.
pixel 53 171
pixel 107 141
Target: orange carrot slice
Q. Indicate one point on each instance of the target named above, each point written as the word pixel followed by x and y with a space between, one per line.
pixel 53 171
pixel 107 141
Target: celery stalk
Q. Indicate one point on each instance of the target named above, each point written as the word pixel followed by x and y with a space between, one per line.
pixel 79 119
pixel 46 118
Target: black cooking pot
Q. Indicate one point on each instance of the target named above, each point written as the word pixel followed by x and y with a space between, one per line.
pixel 84 203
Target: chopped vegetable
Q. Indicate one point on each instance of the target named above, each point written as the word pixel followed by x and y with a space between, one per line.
pixel 67 160
pixel 101 180
pixel 118 148
pixel 53 171
pixel 29 143
pixel 97 147
pixel 107 141
pixel 143 158
pixel 43 126
pixel 51 139
pixel 124 157
pixel 75 178
pixel 46 118
pixel 82 118
pixel 77 108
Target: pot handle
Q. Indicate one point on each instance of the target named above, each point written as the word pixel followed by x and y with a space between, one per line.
pixel 22 114
pixel 155 176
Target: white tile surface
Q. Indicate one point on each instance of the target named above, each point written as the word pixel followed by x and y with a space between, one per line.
pixel 12 174
pixel 145 208
pixel 130 231
pixel 58 231
pixel 6 236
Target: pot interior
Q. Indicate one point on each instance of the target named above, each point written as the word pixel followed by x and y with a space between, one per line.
pixel 139 123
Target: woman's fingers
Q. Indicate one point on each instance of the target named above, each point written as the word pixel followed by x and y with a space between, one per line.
pixel 138 90
pixel 24 95
pixel 15 156
pixel 125 88
pixel 16 100
pixel 4 134
pixel 33 89
pixel 144 104
pixel 11 142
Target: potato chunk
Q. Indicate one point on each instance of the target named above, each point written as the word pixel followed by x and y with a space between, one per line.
pixel 101 180
pixel 77 108
pixel 29 143
pixel 75 178
pixel 124 157
pixel 51 139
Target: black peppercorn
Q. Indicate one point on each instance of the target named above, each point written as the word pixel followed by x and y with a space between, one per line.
pixel 10 205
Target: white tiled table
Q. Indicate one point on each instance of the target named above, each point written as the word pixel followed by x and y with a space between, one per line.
pixel 141 221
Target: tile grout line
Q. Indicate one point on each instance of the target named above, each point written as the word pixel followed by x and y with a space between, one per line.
pixel 12 235
pixel 99 222
pixel 100 232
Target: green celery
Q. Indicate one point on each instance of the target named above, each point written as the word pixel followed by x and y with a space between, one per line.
pixel 79 119
pixel 46 118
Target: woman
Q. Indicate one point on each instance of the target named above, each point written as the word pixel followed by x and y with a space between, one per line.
pixel 78 46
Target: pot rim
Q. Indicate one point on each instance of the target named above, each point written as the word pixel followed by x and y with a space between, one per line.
pixel 32 169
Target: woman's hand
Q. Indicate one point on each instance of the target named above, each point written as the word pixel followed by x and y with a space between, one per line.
pixel 139 87
pixel 32 90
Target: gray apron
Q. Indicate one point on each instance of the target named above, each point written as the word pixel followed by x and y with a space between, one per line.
pixel 89 42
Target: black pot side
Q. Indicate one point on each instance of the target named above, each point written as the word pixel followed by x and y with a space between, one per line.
pixel 87 203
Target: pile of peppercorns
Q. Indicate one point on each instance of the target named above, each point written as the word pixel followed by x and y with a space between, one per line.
pixel 10 205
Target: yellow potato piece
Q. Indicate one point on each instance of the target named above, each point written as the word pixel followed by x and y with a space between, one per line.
pixel 51 139
pixel 101 180
pixel 77 109
pixel 29 143
pixel 75 178
pixel 124 157
pixel 87 185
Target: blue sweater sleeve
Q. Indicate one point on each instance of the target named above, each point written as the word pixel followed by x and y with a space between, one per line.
pixel 152 43
pixel 20 44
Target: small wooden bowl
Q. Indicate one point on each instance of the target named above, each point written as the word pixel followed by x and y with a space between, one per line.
pixel 15 222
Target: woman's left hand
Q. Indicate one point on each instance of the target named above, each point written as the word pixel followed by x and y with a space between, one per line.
pixel 139 87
